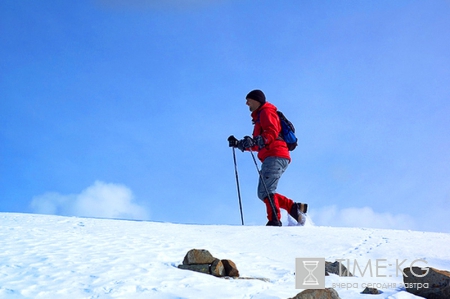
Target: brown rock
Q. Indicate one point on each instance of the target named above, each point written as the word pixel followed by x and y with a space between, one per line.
pixel 230 268
pixel 336 268
pixel 217 268
pixel 328 293
pixel 198 256
pixel 433 285
pixel 371 291
pixel 202 268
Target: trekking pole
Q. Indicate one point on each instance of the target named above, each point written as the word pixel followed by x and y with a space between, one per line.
pixel 237 183
pixel 272 205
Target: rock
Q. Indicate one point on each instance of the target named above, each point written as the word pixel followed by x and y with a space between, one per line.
pixel 328 293
pixel 372 291
pixel 230 268
pixel 217 268
pixel 433 285
pixel 203 268
pixel 198 256
pixel 201 260
pixel 333 268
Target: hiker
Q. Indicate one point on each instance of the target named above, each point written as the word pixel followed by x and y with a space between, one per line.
pixel 274 155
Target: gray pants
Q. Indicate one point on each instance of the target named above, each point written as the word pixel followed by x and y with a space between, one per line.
pixel 271 170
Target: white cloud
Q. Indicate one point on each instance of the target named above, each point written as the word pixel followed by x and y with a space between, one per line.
pixel 104 200
pixel 361 217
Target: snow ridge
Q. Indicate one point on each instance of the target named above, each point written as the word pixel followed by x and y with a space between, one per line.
pixel 71 257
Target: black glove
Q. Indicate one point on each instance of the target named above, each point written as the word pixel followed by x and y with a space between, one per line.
pixel 245 143
pixel 259 141
pixel 232 141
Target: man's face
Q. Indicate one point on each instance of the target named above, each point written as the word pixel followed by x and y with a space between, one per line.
pixel 252 104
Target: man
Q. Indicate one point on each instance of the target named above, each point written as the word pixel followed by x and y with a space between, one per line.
pixel 274 155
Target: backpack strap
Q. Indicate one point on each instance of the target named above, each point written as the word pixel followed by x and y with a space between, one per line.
pixel 280 135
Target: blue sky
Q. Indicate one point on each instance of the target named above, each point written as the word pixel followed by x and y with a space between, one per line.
pixel 123 110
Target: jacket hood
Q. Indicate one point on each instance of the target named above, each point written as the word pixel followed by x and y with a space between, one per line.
pixel 264 106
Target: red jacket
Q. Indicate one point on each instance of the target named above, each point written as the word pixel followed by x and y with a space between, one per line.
pixel 267 124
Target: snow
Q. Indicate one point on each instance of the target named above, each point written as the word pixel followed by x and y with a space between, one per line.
pixel 45 256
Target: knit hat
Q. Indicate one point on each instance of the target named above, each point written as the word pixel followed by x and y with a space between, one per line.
pixel 256 95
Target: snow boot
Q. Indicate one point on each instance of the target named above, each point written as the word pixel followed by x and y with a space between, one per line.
pixel 274 223
pixel 298 212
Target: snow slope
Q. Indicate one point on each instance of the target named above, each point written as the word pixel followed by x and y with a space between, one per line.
pixel 69 257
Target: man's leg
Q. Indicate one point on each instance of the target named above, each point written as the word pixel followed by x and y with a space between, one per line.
pixel 273 220
pixel 271 170
pixel 284 202
pixel 287 204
